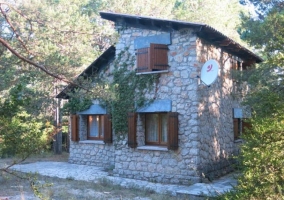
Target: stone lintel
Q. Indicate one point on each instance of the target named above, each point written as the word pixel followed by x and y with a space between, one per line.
pixel 95 109
pixel 144 42
pixel 163 105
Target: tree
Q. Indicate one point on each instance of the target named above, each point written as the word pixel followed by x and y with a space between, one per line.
pixel 42 44
pixel 262 154
pixel 47 42
pixel 263 30
pixel 158 8
pixel 222 15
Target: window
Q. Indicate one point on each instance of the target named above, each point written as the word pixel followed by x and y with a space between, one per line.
pixel 98 128
pixel 156 128
pixel 160 129
pixel 153 58
pixel 95 127
pixel 240 125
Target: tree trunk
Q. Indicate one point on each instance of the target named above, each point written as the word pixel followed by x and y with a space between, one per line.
pixel 57 138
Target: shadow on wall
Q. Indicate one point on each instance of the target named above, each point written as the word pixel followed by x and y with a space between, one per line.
pixel 215 116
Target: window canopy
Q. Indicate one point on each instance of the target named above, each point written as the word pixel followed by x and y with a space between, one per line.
pixel 164 105
pixel 95 109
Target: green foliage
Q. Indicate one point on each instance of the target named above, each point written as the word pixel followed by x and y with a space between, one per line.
pixel 213 13
pixel 158 8
pixel 129 91
pixel 261 162
pixel 79 100
pixel 21 132
pixel 22 136
pixel 262 153
pixel 123 94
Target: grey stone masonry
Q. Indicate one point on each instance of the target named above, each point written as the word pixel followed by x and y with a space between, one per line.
pixel 215 116
pixel 90 152
pixel 178 85
pixel 205 121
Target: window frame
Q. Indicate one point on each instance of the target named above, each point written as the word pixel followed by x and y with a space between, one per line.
pixel 101 128
pixel 160 129
pixel 172 130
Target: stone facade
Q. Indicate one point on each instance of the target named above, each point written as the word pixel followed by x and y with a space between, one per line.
pixel 90 152
pixel 205 131
pixel 215 115
pixel 179 85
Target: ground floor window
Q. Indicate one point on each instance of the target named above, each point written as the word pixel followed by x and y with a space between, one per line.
pixel 95 127
pixel 240 126
pixel 160 129
pixel 156 125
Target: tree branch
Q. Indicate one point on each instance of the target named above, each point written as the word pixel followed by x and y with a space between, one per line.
pixel 14 30
pixel 42 68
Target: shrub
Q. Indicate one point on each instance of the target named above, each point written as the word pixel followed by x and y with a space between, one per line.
pixel 261 162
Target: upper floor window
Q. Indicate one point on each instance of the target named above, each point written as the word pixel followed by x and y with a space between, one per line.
pixel 153 58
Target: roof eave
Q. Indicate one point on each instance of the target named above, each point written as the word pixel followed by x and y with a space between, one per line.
pixel 201 30
pixel 104 58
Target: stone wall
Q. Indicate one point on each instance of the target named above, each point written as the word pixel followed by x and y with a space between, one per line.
pixel 205 117
pixel 178 85
pixel 90 152
pixel 215 115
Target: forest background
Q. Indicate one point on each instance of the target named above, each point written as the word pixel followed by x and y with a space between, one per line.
pixel 45 44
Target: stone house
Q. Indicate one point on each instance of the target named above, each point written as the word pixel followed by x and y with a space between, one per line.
pixel 188 130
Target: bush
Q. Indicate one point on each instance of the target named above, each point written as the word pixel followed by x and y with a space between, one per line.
pixel 22 136
pixel 261 162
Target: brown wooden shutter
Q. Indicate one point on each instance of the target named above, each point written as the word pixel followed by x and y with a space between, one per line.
pixel 153 58
pixel 234 65
pixel 172 130
pixel 75 128
pixel 143 64
pixel 107 129
pixel 159 57
pixel 132 121
pixel 245 126
pixel 236 128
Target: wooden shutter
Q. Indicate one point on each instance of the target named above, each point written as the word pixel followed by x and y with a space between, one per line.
pixel 143 64
pixel 132 121
pixel 107 129
pixel 159 57
pixel 75 128
pixel 236 128
pixel 172 130
pixel 245 126
pixel 153 58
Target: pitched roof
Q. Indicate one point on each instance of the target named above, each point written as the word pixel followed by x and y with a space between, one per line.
pixel 91 69
pixel 203 31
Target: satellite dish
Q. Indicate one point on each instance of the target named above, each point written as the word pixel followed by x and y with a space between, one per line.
pixel 209 72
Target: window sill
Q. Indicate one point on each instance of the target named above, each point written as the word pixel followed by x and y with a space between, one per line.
pixel 153 148
pixel 238 141
pixel 153 72
pixel 91 142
